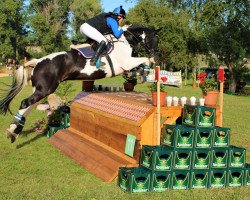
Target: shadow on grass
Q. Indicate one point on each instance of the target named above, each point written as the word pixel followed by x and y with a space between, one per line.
pixel 25 133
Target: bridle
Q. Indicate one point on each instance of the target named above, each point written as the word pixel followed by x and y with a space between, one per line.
pixel 138 40
pixel 145 45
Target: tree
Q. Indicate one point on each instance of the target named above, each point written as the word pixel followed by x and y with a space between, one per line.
pixel 49 20
pixel 227 34
pixel 12 29
pixel 174 35
pixel 81 11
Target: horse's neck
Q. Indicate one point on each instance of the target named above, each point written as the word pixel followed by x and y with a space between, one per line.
pixel 112 38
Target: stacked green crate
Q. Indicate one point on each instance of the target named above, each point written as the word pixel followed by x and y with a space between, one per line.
pixel 134 179
pixel 157 158
pixel 247 175
pixel 193 155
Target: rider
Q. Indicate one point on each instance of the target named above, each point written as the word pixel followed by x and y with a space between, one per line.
pixel 105 23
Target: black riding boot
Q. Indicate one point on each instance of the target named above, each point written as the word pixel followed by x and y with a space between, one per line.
pixel 99 50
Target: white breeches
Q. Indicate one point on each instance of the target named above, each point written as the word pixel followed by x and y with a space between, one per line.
pixel 92 33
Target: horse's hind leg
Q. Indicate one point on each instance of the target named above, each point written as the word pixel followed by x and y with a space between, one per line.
pixel 19 120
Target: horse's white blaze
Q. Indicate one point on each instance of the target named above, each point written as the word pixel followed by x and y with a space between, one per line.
pixel 143 36
pixel 51 56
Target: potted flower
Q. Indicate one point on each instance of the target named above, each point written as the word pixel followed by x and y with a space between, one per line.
pixel 130 82
pixel 209 87
pixel 163 93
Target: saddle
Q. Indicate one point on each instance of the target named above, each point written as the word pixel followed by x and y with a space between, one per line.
pixel 87 51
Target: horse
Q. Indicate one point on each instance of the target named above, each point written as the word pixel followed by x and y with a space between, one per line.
pixel 51 70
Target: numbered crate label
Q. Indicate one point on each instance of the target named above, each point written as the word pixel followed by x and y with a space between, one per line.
pixel 247 175
pixel 157 158
pixel 199 116
pixel 161 181
pixel 235 178
pixel 204 137
pixel 221 137
pixel 180 180
pixel 237 157
pixel 199 179
pixel 218 178
pixel 201 159
pixel 219 158
pixel 182 160
pixel 134 179
pixel 130 145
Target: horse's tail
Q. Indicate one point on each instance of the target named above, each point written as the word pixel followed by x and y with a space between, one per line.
pixel 19 81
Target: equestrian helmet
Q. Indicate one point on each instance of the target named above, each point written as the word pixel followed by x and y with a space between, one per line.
pixel 120 12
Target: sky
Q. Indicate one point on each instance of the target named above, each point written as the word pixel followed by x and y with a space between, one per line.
pixel 110 5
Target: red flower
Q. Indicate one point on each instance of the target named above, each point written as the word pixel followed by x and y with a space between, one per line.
pixel 202 77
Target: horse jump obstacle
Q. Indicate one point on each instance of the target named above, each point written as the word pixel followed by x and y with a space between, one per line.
pixel 99 126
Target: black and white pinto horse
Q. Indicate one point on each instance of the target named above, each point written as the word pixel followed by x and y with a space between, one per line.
pixel 55 68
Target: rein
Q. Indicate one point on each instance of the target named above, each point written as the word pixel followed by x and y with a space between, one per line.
pixel 144 44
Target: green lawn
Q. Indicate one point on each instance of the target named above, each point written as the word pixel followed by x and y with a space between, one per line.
pixel 32 168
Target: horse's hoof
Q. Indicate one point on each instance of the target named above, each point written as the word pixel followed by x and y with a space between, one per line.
pixel 10 136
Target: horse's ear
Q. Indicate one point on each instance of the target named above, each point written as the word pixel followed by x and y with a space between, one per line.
pixel 158 30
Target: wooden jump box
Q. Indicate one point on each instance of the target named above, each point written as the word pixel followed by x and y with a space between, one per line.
pixel 99 125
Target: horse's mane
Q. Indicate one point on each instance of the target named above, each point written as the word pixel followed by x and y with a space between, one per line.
pixel 137 26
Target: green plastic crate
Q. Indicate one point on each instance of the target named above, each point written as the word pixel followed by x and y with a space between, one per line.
pixel 203 137
pixel 53 129
pixel 218 178
pixel 198 116
pixel 199 179
pixel 180 179
pixel 237 157
pixel 221 137
pixel 182 159
pixel 65 119
pixel 134 179
pixel 178 136
pixel 235 177
pixel 247 175
pixel 158 158
pixel 219 158
pixel 160 181
pixel 201 159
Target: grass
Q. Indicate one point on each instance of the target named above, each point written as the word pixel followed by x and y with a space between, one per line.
pixel 32 168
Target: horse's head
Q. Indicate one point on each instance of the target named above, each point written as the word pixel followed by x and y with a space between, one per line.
pixel 147 36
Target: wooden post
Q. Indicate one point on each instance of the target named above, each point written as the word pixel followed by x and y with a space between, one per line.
pixel 221 78
pixel 221 102
pixel 158 111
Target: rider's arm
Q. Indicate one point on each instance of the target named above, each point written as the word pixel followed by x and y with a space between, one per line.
pixel 112 23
